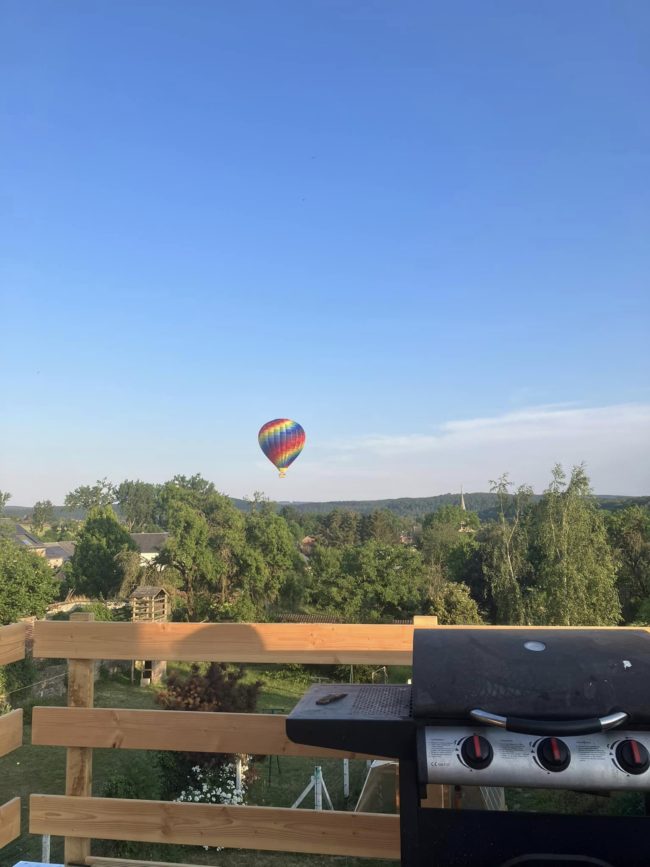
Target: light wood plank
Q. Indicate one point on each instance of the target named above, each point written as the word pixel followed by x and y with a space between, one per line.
pixel 270 828
pixel 79 761
pixel 437 796
pixel 176 730
pixel 12 643
pixel 330 643
pixel 425 621
pixel 9 821
pixel 99 861
pixel 11 731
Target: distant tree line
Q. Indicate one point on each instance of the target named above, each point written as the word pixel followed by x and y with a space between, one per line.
pixel 556 558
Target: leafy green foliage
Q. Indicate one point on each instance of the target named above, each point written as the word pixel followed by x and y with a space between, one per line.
pixel 629 534
pixel 139 779
pixel 572 565
pixel 42 514
pixel 340 528
pixel 451 602
pixel 271 545
pixel 447 540
pixel 505 553
pixel 139 505
pixel 218 688
pixel 549 562
pixel 26 583
pixel 87 497
pixel 189 552
pixel 95 568
pixel 380 526
pixel 369 582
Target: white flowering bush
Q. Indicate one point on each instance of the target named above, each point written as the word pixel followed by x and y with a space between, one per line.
pixel 216 785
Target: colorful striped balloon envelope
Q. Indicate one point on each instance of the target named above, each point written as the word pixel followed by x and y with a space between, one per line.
pixel 281 440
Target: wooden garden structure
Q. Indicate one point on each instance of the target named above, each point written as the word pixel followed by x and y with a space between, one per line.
pixel 150 605
pixel 80 728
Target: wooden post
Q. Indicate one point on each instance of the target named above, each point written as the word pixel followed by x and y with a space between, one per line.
pixel 79 760
pixel 425 621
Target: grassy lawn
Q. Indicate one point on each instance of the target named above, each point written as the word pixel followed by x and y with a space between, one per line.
pixel 277 783
pixel 42 769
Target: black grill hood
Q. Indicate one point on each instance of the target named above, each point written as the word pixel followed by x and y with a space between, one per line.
pixel 579 674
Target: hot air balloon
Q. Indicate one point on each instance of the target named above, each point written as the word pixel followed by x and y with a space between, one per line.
pixel 281 440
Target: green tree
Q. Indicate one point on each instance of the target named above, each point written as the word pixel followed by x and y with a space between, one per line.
pixel 370 582
pixel 27 585
pixel 454 516
pixel 87 497
pixel 629 535
pixel 340 527
pixel 7 528
pixel 218 689
pixel 448 542
pixel 95 567
pixel 139 504
pixel 380 526
pixel 189 552
pixel 450 601
pixel 504 552
pixel 42 514
pixel 219 583
pixel 268 534
pixel 574 575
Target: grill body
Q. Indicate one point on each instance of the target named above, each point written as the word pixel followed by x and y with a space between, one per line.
pixel 552 694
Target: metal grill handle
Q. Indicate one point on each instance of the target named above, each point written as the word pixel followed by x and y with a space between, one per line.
pixel 550 727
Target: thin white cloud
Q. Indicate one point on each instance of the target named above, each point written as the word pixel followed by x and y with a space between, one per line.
pixel 612 440
pixel 558 422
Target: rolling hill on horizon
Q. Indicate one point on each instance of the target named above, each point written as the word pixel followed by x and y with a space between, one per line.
pixel 483 503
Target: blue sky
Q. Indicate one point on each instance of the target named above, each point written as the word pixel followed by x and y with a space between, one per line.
pixel 419 229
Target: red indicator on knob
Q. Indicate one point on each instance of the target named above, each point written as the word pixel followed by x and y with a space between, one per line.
pixel 553 754
pixel 476 752
pixel 632 757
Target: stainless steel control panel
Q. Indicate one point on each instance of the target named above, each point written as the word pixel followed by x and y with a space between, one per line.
pixel 614 760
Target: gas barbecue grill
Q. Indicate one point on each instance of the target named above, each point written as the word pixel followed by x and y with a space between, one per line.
pixel 562 709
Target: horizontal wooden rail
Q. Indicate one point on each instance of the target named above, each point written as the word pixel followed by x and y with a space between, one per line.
pixel 367 835
pixel 12 643
pixel 9 821
pixel 99 861
pixel 226 642
pixel 176 730
pixel 11 731
pixel 328 643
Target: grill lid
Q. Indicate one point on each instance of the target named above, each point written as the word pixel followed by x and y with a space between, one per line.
pixel 545 674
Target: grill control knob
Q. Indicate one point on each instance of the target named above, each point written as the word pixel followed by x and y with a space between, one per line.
pixel 476 752
pixel 632 757
pixel 553 754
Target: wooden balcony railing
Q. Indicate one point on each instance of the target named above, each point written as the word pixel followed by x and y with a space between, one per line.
pixel 80 727
pixel 12 648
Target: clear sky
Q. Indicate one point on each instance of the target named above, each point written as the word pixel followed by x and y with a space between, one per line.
pixel 420 229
